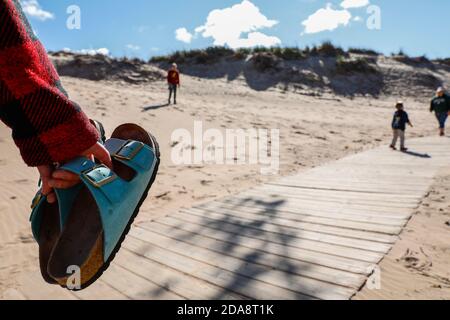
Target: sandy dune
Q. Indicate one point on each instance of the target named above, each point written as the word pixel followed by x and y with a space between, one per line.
pixel 314 130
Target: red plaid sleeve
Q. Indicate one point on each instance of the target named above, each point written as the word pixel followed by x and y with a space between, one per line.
pixel 46 126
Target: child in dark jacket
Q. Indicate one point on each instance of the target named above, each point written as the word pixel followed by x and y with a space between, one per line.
pixel 399 122
pixel 440 105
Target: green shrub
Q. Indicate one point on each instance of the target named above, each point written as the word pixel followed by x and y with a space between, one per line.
pixel 214 54
pixel 263 61
pixel 199 56
pixel 360 65
pixel 159 59
pixel 412 60
pixel 291 53
pixel 219 52
pixel 363 51
pixel 443 61
pixel 328 49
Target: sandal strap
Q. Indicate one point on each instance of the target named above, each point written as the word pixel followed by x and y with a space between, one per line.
pixel 134 154
pixel 78 165
pixel 106 188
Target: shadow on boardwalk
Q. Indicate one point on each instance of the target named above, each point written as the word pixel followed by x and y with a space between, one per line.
pixel 234 231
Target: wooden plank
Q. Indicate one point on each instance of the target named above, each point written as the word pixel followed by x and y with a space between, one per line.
pixel 226 230
pixel 333 198
pixel 178 282
pixel 324 188
pixel 100 290
pixel 302 255
pixel 376 219
pixel 349 229
pixel 346 172
pixel 254 272
pixel 274 231
pixel 368 175
pixel 293 196
pixel 229 281
pixel 299 207
pixel 350 187
pixel 372 168
pixel 373 180
pixel 363 185
pixel 336 194
pixel 323 205
pixel 382 232
pixel 281 261
pixel 136 287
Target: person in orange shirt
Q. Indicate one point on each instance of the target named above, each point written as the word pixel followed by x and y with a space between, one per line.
pixel 173 79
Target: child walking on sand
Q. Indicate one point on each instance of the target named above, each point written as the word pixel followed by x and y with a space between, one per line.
pixel 399 122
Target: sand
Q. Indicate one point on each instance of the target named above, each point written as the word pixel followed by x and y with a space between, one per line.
pixel 314 130
pixel 418 265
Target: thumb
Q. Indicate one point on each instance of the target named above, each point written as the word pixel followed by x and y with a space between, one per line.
pixel 100 153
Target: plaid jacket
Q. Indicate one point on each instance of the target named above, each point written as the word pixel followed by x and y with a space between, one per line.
pixel 46 126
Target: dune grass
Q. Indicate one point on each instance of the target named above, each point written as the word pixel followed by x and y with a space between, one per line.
pixel 214 54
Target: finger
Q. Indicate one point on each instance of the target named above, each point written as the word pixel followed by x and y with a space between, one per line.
pixel 46 187
pixel 101 154
pixel 65 175
pixel 45 172
pixel 51 198
pixel 62 184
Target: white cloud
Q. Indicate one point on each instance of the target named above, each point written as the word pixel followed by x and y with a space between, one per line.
pixel 33 9
pixel 133 47
pixel 347 4
pixel 256 39
pixel 357 19
pixel 326 19
pixel 238 26
pixel 91 52
pixel 183 35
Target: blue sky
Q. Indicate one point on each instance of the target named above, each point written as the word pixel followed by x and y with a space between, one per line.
pixel 145 28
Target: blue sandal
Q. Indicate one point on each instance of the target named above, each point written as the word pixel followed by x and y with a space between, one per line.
pixel 46 222
pixel 96 215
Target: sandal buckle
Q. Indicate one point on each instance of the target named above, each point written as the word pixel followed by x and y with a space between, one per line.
pixel 99 175
pixel 129 150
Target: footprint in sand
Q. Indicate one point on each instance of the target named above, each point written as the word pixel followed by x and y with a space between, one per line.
pixel 22 181
pixel 205 182
pixel 415 260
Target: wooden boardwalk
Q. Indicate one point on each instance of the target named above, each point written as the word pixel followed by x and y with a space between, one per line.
pixel 316 235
